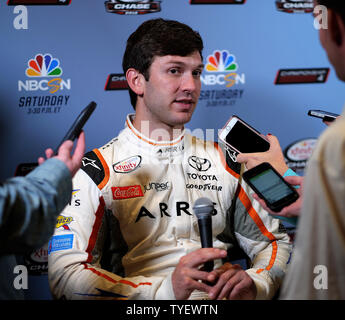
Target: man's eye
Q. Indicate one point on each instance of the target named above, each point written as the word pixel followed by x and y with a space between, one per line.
pixel 174 71
pixel 197 73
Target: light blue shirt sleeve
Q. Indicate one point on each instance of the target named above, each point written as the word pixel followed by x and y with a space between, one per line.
pixel 30 205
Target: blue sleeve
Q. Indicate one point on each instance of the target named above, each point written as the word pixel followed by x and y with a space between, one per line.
pixel 30 205
pixel 290 172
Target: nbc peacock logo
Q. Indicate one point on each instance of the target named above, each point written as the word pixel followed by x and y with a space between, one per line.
pixel 44 87
pixel 48 68
pixel 222 69
pixel 221 61
pixel 43 66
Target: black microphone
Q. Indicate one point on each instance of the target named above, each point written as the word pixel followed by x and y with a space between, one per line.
pixel 203 208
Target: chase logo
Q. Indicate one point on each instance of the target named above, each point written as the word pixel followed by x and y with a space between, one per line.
pixel 221 67
pixel 132 6
pixel 293 6
pixel 43 66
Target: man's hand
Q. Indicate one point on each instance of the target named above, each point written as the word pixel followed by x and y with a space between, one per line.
pixel 294 209
pixel 274 156
pixel 186 276
pixel 73 162
pixel 233 284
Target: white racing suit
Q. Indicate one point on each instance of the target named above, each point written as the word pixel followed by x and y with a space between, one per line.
pixel 134 196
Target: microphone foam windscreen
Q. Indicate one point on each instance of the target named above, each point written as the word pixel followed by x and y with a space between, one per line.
pixel 203 207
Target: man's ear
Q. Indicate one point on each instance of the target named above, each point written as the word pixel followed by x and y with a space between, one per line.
pixel 336 27
pixel 135 81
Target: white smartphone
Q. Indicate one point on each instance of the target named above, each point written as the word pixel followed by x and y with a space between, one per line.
pixel 241 137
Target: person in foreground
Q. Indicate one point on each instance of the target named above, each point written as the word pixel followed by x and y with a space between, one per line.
pixel 29 207
pixel 137 192
pixel 317 265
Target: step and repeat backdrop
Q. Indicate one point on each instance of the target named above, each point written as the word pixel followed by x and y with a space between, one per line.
pixel 263 63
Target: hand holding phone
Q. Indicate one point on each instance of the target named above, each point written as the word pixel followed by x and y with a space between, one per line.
pixel 241 137
pixel 78 124
pixel 324 115
pixel 270 186
pixel 73 133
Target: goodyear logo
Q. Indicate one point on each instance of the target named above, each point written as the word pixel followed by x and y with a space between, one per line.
pixel 63 222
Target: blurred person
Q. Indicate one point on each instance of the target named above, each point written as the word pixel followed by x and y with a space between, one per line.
pixel 316 270
pixel 29 207
pixel 317 267
pixel 137 191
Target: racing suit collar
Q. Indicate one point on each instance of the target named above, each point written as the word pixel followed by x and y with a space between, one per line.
pixel 144 138
pixel 161 149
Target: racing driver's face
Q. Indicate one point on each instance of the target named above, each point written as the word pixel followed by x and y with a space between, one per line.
pixel 172 91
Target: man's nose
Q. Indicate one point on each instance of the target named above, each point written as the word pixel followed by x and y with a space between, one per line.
pixel 189 83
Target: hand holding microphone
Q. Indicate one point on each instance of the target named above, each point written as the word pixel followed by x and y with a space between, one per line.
pixel 187 277
pixel 203 208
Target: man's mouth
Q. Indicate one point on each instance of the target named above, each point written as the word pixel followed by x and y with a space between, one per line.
pixel 186 102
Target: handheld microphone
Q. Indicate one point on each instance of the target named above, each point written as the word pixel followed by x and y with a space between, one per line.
pixel 202 209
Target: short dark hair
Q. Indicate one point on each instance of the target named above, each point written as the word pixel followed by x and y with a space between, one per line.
pixel 337 5
pixel 158 37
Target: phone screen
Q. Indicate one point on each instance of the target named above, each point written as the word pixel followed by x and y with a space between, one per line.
pixel 271 186
pixel 246 140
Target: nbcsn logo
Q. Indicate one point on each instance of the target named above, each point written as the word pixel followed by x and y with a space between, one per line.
pixel 44 66
pixel 224 66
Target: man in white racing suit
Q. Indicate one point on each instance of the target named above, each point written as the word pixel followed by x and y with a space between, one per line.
pixel 135 195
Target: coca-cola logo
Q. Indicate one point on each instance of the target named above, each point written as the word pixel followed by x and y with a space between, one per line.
pixel 300 150
pixel 127 165
pixel 127 192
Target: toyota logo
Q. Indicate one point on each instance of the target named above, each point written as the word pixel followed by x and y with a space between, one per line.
pixel 199 164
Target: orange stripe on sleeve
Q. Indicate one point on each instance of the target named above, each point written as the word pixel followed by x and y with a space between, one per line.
pixel 105 167
pixel 93 237
pixel 126 282
pixel 256 218
pixel 223 161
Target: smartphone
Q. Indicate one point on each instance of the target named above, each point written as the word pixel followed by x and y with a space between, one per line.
pixel 78 124
pixel 324 115
pixel 243 138
pixel 269 185
pixel 73 133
